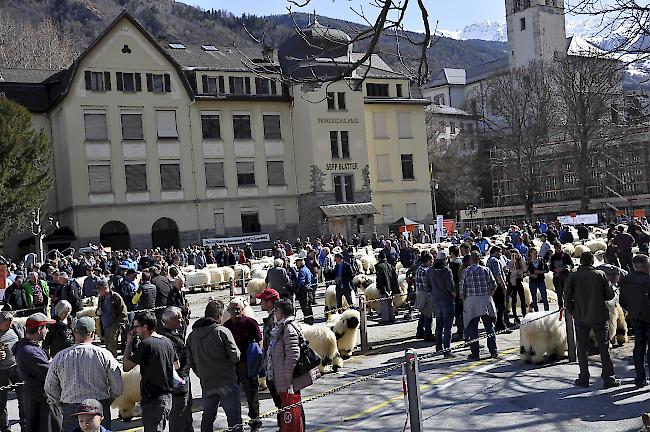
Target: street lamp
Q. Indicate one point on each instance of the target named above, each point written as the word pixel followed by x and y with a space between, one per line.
pixel 435 205
pixel 40 231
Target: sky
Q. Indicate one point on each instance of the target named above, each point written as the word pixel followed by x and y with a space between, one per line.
pixel 450 15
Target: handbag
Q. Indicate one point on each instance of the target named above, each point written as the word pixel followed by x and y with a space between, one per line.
pixel 308 359
pixel 290 419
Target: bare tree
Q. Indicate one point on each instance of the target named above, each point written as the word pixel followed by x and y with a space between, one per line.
pixel 590 93
pixel 519 112
pixel 35 46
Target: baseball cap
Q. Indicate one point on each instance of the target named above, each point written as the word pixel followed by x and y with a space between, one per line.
pixel 131 271
pixel 89 406
pixel 37 320
pixel 268 294
pixel 85 324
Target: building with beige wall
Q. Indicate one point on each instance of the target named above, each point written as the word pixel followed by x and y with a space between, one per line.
pixel 169 145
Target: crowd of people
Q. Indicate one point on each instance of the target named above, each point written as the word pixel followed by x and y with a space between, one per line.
pixel 70 382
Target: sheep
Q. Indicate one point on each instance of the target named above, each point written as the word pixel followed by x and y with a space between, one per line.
pixel 346 328
pixel 216 276
pixel 258 272
pixel 548 281
pixel 399 300
pixel 330 298
pixel 568 248
pixel 322 339
pixel 255 286
pixel 198 279
pixel 242 272
pixel 125 403
pixel 87 311
pixel 228 274
pixel 368 263
pixel 616 325
pixel 579 250
pixel 372 293
pixel 596 245
pixel 361 282
pixel 542 333
pixel 90 301
pixel 621 327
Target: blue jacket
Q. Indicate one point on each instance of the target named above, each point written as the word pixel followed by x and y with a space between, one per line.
pixel 304 278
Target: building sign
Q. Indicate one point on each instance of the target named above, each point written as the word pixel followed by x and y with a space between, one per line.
pixel 331 120
pixel 255 238
pixel 341 166
pixel 587 219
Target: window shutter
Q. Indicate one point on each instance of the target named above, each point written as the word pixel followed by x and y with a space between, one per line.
pixel 334 144
pixel 170 176
pixel 99 178
pixel 168 86
pixel 149 82
pixel 383 167
pixel 275 172
pixel 274 89
pixel 89 80
pixel 379 122
pixel 132 126
pixel 222 85
pixel 387 214
pixel 404 125
pixel 338 188
pixel 107 81
pixel 341 100
pixel 204 81
pixel 231 84
pixel 258 86
pixel 138 82
pixel 349 191
pixel 136 177
pixel 345 144
pixel 214 176
pixel 166 123
pixel 120 83
pixel 95 125
pixel 247 84
pixel 272 127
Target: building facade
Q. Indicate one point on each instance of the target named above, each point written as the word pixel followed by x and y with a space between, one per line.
pixel 159 145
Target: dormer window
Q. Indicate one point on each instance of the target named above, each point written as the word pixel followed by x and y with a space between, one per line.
pixel 240 85
pixel 265 86
pixel 213 85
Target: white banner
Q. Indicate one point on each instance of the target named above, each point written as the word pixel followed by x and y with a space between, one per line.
pixel 439 226
pixel 587 219
pixel 255 238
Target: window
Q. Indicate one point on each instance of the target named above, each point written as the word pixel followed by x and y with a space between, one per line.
pixel 383 167
pixel 158 83
pixel 128 82
pixel 219 223
pixel 136 177
pixel 95 125
pixel 439 99
pixel 522 24
pixel 412 211
pixel 210 126
pixel 398 89
pixel 404 125
pixel 343 188
pixel 387 214
pixel 341 100
pixel 345 144
pixel 376 90
pixel 246 173
pixel 407 167
pixel 214 177
pixel 213 85
pixel 331 104
pixel 132 126
pixel 99 179
pixel 166 122
pixel 275 171
pixel 452 127
pixel 98 81
pixel 272 127
pixel 240 85
pixel 334 144
pixel 241 124
pixel 265 86
pixel 379 123
pixel 170 176
pixel 280 220
pixel 250 223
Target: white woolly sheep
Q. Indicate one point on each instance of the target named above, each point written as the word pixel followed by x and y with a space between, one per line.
pixel 322 339
pixel 228 274
pixel 198 279
pixel 90 301
pixel 399 300
pixel 258 272
pixel 346 329
pixel 579 250
pixel 368 263
pixel 372 293
pixel 620 335
pixel 87 311
pixel 216 276
pixel 362 281
pixel 548 281
pixel 596 245
pixel 255 286
pixel 131 395
pixel 242 272
pixel 330 298
pixel 568 248
pixel 542 333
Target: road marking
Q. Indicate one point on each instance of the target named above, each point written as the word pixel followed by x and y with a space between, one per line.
pixel 488 362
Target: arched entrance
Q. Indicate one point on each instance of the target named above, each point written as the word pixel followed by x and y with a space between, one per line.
pixel 115 235
pixel 164 233
pixel 60 239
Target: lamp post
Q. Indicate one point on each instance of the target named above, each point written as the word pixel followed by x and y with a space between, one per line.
pixel 471 211
pixel 435 205
pixel 40 231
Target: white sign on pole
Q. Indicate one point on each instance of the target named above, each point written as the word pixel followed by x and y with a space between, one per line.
pixel 439 227
pixel 256 238
pixel 587 219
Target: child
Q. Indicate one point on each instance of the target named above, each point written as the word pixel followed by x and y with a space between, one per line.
pixel 90 415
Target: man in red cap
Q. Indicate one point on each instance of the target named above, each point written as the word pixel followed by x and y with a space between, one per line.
pixel 33 364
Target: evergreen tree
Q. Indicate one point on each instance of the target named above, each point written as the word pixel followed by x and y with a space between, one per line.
pixel 25 167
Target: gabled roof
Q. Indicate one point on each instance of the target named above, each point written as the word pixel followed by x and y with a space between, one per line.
pixel 228 58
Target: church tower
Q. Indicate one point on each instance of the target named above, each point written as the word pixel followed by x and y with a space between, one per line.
pixel 536 30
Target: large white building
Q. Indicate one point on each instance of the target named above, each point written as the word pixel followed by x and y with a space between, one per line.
pixel 158 145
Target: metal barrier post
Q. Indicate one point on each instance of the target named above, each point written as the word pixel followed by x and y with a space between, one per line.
pixel 243 285
pixel 570 337
pixel 363 323
pixel 232 288
pixel 412 390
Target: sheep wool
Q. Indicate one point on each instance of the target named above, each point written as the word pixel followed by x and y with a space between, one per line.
pixel 346 329
pixel 372 293
pixel 131 395
pixel 198 279
pixel 242 272
pixel 542 333
pixel 228 274
pixel 254 287
pixel 216 276
pixel 579 250
pixel 596 245
pixel 399 300
pixel 87 311
pixel 322 339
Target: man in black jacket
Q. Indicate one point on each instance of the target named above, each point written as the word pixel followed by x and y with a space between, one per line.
pixel 387 286
pixel 15 297
pixel 560 264
pixel 585 294
pixel 163 288
pixel 634 298
pixel 343 279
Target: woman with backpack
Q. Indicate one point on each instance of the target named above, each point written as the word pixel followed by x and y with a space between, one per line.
pixel 37 292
